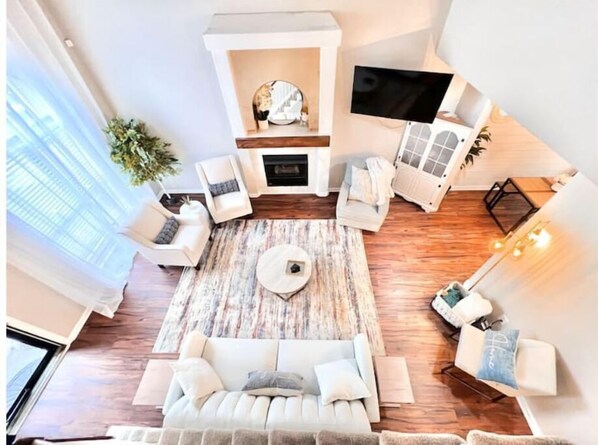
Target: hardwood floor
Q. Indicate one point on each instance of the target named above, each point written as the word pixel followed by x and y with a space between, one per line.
pixel 412 256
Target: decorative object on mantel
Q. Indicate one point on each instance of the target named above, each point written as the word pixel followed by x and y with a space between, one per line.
pixel 337 302
pixel 476 149
pixel 262 103
pixel 303 119
pixel 143 157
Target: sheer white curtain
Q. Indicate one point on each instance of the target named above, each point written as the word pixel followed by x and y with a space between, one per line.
pixel 64 195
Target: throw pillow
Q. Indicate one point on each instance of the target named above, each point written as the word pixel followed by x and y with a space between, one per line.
pixel 452 297
pixel 361 186
pixel 274 383
pixel 340 380
pixel 196 377
pixel 168 231
pixel 498 357
pixel 222 188
pixel 476 437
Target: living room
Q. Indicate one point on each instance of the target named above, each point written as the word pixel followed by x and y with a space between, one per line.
pixel 507 218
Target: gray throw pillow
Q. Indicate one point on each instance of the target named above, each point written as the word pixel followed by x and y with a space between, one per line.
pixel 274 383
pixel 168 231
pixel 222 188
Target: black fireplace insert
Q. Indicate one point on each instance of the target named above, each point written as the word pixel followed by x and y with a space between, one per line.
pixel 285 170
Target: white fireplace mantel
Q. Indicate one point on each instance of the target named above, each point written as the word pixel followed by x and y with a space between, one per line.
pixel 280 30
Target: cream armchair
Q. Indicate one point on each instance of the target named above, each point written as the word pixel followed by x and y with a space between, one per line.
pixel 356 213
pixel 535 365
pixel 185 249
pixel 229 205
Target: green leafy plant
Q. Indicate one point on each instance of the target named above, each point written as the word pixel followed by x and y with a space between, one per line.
pixel 143 157
pixel 476 149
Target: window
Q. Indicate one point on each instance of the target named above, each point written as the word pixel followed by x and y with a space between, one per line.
pixel 26 359
pixel 65 197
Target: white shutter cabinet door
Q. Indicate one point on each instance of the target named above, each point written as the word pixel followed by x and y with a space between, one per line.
pixel 427 155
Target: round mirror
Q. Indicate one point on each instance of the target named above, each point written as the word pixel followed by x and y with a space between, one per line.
pixel 278 102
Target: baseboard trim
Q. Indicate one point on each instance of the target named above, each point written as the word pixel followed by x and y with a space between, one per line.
pixel 529 416
pixel 160 194
pixel 470 188
pixel 79 325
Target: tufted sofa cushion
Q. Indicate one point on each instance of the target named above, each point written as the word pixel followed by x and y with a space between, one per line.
pixel 300 356
pixel 306 413
pixel 234 358
pixel 223 409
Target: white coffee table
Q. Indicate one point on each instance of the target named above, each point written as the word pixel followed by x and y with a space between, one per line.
pixel 273 270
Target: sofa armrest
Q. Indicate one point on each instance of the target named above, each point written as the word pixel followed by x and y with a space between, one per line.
pixel 363 357
pixel 175 392
pixel 206 188
pixel 192 347
pixel 194 219
pixel 343 196
pixel 383 209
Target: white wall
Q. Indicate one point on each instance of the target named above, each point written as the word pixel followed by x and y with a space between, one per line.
pixel 552 295
pixel 149 59
pixel 34 307
pixel 537 59
pixel 513 152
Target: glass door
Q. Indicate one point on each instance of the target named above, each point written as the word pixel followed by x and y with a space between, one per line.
pixel 440 154
pixel 26 359
pixel 415 146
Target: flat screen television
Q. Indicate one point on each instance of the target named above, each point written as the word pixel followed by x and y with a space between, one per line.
pixel 398 94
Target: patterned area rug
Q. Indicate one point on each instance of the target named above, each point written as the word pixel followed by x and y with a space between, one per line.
pixel 224 299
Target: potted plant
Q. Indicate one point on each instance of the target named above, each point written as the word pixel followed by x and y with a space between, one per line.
pixel 476 149
pixel 143 157
pixel 262 104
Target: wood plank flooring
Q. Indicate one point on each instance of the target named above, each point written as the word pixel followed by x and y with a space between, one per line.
pixel 412 256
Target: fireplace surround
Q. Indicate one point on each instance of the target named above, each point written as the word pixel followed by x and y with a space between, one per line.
pixel 245 50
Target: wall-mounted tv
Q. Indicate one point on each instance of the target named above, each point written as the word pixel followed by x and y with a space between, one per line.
pixel 398 94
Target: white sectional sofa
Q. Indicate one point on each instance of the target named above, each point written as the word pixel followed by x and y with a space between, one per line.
pixel 234 358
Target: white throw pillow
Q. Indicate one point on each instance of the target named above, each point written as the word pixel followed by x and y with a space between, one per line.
pixel 340 380
pixel 196 377
pixel 361 186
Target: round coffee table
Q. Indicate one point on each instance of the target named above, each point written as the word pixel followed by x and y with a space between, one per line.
pixel 274 270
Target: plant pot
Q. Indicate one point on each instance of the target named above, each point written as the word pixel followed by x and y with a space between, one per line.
pixel 170 201
pixel 262 125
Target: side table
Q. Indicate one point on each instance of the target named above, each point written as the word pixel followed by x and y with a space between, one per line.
pixel 196 208
pixel 534 191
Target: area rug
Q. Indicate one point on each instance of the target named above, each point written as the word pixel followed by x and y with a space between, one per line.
pixel 224 299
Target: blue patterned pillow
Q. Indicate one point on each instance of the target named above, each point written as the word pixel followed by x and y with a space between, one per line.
pixel 223 188
pixel 498 358
pixel 167 232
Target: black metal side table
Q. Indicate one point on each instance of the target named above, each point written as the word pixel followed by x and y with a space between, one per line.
pixel 534 191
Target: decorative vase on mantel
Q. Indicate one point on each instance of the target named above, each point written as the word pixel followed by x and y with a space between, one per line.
pixel 263 125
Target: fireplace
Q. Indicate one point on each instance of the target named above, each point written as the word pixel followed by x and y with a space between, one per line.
pixel 285 170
